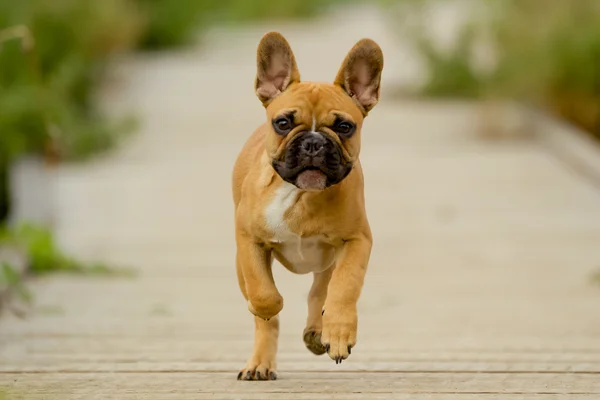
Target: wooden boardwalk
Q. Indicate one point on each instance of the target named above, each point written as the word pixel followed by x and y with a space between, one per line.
pixel 479 286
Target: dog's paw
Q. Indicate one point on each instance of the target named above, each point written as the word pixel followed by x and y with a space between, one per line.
pixel 339 334
pixel 258 371
pixel 312 340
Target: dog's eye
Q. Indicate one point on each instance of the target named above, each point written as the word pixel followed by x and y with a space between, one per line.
pixel 344 128
pixel 282 125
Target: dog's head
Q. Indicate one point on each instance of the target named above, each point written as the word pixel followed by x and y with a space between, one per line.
pixel 314 128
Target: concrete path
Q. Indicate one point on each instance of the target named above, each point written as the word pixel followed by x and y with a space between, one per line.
pixel 479 286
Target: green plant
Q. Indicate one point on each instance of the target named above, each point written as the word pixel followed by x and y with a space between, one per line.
pixel 44 256
pixel 450 72
pixel 173 23
pixel 243 10
pixel 11 283
pixel 550 55
pixel 547 53
pixel 51 58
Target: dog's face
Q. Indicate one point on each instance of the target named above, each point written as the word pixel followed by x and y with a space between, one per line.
pixel 314 136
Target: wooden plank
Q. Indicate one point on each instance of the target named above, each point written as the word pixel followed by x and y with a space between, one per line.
pixel 155 385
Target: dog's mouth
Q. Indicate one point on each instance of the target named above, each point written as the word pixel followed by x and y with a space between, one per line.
pixel 312 163
pixel 311 179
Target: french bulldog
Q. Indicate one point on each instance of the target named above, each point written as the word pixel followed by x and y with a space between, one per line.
pixel 298 191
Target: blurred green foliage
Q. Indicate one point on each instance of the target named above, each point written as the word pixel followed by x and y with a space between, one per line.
pixel 50 61
pixel 547 52
pixel 450 72
pixel 11 284
pixel 53 54
pixel 43 254
pixel 243 10
pixel 174 23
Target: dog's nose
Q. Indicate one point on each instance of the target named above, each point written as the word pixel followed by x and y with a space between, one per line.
pixel 313 145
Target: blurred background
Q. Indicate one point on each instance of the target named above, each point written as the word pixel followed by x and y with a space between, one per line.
pixel 54 56
pixel 120 121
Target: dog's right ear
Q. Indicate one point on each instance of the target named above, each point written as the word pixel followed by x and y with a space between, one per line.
pixel 276 67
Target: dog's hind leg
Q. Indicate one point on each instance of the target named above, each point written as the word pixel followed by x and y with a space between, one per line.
pixel 314 323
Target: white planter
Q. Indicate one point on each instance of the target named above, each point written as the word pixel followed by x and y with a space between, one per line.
pixel 31 185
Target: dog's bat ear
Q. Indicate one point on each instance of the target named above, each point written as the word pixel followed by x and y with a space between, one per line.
pixel 276 67
pixel 360 74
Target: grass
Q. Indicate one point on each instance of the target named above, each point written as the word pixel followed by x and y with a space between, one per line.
pixel 42 256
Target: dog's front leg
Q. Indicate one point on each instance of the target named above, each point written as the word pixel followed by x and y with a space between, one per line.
pixel 254 262
pixel 340 320
pixel 264 301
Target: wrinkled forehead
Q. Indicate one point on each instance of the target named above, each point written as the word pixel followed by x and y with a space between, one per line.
pixel 315 101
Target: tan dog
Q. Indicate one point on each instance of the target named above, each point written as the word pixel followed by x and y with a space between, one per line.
pixel 299 198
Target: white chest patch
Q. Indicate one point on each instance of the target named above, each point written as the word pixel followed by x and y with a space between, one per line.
pixel 284 198
pixel 298 254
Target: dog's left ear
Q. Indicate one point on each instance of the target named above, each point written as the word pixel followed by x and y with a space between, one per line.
pixel 360 74
pixel 276 67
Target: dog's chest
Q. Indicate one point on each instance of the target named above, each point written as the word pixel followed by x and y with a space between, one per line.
pixel 299 254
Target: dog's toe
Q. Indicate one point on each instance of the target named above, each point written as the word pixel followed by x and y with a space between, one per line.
pixel 257 373
pixel 247 375
pixel 312 340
